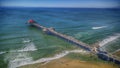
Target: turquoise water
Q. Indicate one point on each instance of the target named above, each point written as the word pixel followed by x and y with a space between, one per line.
pixel 88 25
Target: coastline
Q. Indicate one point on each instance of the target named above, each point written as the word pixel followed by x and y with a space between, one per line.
pixel 14 64
pixel 68 62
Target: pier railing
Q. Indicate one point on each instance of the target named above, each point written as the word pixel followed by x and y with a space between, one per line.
pixel 71 39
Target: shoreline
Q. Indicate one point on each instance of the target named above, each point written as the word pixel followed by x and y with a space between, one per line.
pixel 48 59
pixel 66 62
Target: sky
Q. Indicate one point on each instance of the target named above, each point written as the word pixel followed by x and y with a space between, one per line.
pixel 62 3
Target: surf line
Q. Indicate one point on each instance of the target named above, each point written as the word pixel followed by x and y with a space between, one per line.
pixel 51 31
pixel 109 39
pixel 99 27
pixel 57 56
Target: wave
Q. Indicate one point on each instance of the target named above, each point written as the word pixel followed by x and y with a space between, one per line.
pixel 2 52
pixel 109 39
pixel 99 27
pixel 57 56
pixel 29 47
pixel 20 58
pixel 26 40
pixel 23 59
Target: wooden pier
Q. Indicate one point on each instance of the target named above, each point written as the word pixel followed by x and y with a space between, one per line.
pixel 51 31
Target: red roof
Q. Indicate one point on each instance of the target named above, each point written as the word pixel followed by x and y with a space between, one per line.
pixel 31 21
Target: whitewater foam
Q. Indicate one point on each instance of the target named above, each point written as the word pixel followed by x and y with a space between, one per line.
pixel 57 56
pixel 21 58
pixel 109 39
pixel 2 53
pixel 99 27
pixel 26 40
pixel 29 47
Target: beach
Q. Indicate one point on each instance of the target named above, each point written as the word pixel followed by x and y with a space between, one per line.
pixel 70 63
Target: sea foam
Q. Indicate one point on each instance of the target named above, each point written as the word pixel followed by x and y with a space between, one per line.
pixel 26 40
pixel 57 56
pixel 98 27
pixel 2 52
pixel 20 58
pixel 23 59
pixel 29 47
pixel 109 39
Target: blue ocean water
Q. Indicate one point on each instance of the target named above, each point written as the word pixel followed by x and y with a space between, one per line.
pixel 88 25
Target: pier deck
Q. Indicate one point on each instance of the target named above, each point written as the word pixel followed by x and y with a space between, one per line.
pixel 70 39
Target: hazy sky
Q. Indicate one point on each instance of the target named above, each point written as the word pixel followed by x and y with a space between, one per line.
pixel 62 3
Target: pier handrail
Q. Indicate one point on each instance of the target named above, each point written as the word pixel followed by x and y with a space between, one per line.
pixel 70 38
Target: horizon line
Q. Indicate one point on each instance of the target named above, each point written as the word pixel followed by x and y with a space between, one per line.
pixel 54 7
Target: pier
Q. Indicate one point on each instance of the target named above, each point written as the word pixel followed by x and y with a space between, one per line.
pixel 51 31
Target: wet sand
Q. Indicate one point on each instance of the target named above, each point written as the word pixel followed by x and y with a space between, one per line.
pixel 70 63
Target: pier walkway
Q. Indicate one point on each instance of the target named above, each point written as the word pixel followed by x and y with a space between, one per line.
pixel 70 39
pixel 99 53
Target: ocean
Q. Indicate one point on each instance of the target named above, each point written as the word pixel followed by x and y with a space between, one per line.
pixel 20 42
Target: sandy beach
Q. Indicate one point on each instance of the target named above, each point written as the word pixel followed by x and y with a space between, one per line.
pixel 70 63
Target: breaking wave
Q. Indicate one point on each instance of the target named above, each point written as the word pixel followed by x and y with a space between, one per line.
pixel 29 47
pixel 26 40
pixel 57 56
pixel 99 27
pixel 20 58
pixel 2 53
pixel 23 59
pixel 109 39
